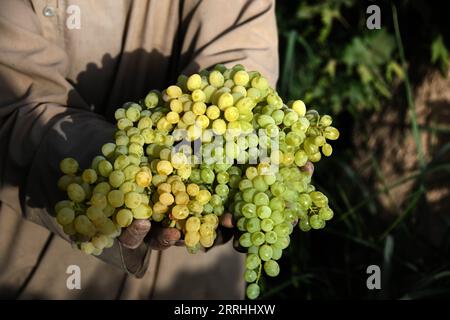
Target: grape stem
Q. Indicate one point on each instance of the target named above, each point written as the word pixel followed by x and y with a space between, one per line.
pixel 259 273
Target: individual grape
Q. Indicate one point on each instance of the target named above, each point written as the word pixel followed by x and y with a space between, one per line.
pixel 166 198
pixel 124 217
pixel 252 291
pixel 253 225
pixel 94 213
pixel 180 211
pixel 250 275
pixel 207 242
pixel 325 213
pixel 315 221
pixel 267 224
pixel 331 133
pixel 258 238
pixel 102 188
pixel 76 192
pixel 116 178
pixel 263 212
pixel 271 268
pixel 87 247
pixel 265 252
pixel 203 196
pixel 194 82
pixel 261 199
pixel 191 238
pixel 116 198
pixel 327 150
pixel 252 261
pixel 193 224
pixel 69 166
pixel 143 211
pixel 84 226
pixel 245 240
pixel 132 200
pixel 304 225
pixel 65 216
pixel 89 176
pixel 105 168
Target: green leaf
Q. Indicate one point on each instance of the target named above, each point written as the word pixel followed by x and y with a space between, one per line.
pixel 439 54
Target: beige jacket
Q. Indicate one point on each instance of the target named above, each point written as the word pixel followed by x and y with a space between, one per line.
pixel 65 66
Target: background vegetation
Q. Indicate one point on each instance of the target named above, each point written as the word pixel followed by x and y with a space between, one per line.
pixel 382 175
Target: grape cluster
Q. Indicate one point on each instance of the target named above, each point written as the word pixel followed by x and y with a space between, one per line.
pixel 217 141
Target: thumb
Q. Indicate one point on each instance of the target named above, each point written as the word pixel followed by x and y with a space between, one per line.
pixel 133 236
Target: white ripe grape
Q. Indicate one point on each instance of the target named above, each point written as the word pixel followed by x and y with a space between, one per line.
pixel 75 192
pixel 65 215
pixel 69 166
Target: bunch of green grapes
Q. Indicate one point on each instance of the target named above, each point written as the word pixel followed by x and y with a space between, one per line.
pixel 106 197
pixel 218 141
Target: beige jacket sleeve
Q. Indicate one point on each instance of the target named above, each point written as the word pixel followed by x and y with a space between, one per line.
pixel 230 32
pixel 38 128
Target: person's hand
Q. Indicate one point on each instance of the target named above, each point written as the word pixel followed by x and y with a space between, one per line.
pixel 227 220
pixel 157 237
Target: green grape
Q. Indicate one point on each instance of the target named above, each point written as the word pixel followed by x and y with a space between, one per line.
pixel 282 242
pixel 253 291
pixel 276 253
pixel 260 184
pixel 245 240
pixel 271 237
pixel 263 212
pixel 116 178
pixel 277 189
pixel 143 211
pixel 240 224
pixel 331 133
pixel 258 238
pixel 326 213
pixel 261 199
pixel 277 217
pixel 116 198
pixel 252 261
pixel 267 224
pixel 207 175
pixel 304 225
pixel 102 188
pixel 89 176
pixel 276 203
pixel 271 268
pixel 132 200
pixel 65 216
pixel 265 252
pixel 76 192
pixel 106 226
pixel 84 226
pixel 250 275
pixel 282 229
pixel 253 249
pixel 248 194
pixel 69 166
pixel 315 221
pixel 94 213
pixel 253 225
pixel 105 168
pixel 249 210
pixel 245 184
pixel 124 218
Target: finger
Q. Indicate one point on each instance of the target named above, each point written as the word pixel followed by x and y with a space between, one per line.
pixel 226 220
pixel 163 238
pixel 308 167
pixel 133 236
